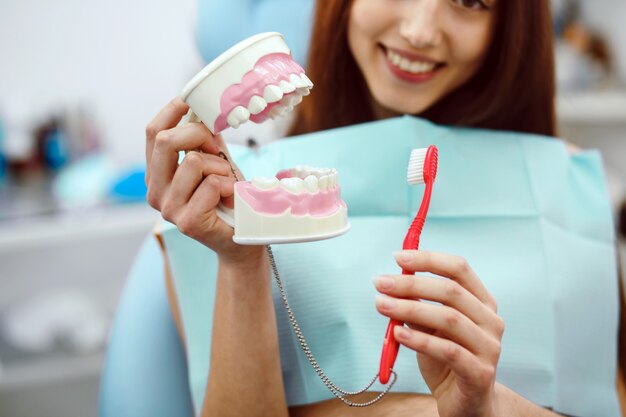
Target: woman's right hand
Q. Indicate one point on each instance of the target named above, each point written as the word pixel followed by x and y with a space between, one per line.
pixel 188 194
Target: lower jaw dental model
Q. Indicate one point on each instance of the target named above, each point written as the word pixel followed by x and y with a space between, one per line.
pixel 301 204
pixel 255 80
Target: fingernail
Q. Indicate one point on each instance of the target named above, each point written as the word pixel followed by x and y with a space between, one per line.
pixel 402 333
pixel 384 283
pixel 402 256
pixel 385 303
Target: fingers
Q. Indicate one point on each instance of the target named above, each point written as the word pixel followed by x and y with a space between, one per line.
pixel 447 321
pixel 463 363
pixel 449 266
pixel 167 118
pixel 165 155
pixel 163 135
pixel 188 176
pixel 444 291
pixel 207 195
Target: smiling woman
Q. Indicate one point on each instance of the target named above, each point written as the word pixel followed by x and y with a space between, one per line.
pixel 466 63
pixel 473 63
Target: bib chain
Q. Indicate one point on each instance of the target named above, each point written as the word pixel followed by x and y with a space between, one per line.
pixel 334 389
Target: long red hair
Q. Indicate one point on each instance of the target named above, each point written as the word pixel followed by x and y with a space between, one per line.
pixel 513 90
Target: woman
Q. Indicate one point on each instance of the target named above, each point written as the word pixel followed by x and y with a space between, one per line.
pixel 481 63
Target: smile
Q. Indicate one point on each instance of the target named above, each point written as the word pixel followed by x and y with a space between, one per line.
pixel 411 69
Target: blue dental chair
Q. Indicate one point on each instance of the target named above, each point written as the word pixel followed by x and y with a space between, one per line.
pixel 145 373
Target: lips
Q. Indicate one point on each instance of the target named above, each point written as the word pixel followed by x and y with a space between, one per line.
pixel 410 67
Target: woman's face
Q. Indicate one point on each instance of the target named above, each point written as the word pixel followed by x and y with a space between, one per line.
pixel 414 52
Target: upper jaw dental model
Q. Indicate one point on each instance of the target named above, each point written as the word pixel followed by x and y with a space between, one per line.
pixel 254 80
pixel 300 204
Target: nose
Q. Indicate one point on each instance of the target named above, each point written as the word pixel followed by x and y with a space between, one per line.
pixel 421 25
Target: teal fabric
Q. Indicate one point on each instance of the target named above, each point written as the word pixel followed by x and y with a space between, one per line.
pixel 534 222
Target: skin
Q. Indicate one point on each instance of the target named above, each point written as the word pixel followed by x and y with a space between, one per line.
pixel 445 31
pixel 457 343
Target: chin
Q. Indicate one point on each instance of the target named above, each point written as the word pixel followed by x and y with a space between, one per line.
pixel 395 105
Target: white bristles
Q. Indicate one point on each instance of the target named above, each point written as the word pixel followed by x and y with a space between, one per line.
pixel 415 171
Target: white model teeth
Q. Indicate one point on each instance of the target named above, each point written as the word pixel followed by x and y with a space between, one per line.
pixel 305 85
pixel 311 184
pixel 256 105
pixel 296 99
pixel 332 180
pixel 301 171
pixel 324 182
pixel 414 67
pixel 237 116
pixel 286 87
pixel 272 93
pixel 293 184
pixel 307 82
pixel 278 110
pixel 291 100
pixel 265 183
pixel 296 81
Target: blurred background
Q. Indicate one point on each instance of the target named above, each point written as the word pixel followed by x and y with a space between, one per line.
pixel 79 80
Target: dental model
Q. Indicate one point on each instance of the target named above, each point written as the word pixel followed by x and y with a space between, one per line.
pixel 254 80
pixel 299 204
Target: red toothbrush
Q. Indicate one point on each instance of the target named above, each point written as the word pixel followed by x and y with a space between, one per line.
pixel 422 170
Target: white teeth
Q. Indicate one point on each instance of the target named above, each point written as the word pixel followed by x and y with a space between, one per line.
pixel 415 67
pixel 306 85
pixel 311 184
pixel 272 93
pixel 296 99
pixel 286 87
pixel 265 183
pixel 296 81
pixel 291 100
pixel 278 110
pixel 307 82
pixel 293 184
pixel 323 171
pixel 237 116
pixel 324 178
pixel 332 181
pixel 395 58
pixel 324 182
pixel 256 105
pixel 300 171
pixel 405 64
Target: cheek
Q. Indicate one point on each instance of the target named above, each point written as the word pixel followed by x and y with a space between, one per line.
pixel 364 25
pixel 357 27
pixel 469 44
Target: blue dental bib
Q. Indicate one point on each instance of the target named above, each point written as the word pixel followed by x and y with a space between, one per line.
pixel 533 221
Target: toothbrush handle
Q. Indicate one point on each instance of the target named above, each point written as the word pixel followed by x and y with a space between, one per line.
pixel 390 347
pixel 411 242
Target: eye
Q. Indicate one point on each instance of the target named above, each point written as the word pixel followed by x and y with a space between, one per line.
pixel 472 4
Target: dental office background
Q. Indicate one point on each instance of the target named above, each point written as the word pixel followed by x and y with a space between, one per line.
pixel 79 80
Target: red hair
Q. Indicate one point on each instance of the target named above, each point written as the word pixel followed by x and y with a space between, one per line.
pixel 513 90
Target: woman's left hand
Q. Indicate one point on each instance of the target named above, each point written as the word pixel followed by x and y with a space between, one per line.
pixel 457 341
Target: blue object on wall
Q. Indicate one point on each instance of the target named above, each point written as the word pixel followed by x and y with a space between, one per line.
pixel 55 149
pixel 130 185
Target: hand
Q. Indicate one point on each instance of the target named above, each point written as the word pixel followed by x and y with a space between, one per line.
pixel 188 194
pixel 457 341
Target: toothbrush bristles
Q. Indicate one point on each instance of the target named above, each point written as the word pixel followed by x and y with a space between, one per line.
pixel 415 171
